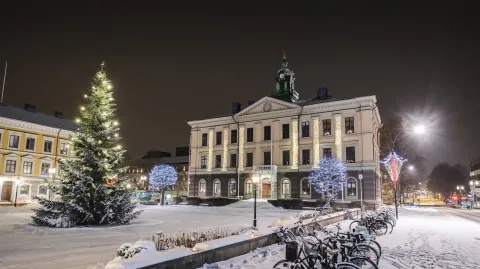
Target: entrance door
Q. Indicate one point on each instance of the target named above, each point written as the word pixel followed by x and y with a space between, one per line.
pixel 266 190
pixel 7 191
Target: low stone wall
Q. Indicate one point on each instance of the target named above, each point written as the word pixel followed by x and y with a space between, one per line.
pixel 226 252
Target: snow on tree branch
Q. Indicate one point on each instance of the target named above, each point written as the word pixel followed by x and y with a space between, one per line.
pixel 162 176
pixel 329 177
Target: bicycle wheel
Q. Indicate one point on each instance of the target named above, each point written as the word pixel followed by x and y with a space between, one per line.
pixel 354 224
pixel 284 264
pixel 380 227
pixel 363 262
pixel 374 244
pixel 365 251
pixel 346 265
pixel 389 223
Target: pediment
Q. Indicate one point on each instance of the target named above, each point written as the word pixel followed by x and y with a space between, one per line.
pixel 265 105
pixel 28 157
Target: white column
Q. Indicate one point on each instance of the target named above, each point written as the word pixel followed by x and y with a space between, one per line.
pixel 338 137
pixel 241 141
pixel 316 141
pixel 225 149
pixel 294 143
pixel 210 150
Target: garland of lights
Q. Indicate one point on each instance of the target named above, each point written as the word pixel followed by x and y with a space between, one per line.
pixel 393 163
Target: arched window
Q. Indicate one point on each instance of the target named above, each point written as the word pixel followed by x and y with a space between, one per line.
pixel 248 187
pixel 305 187
pixel 42 190
pixel 202 188
pixel 286 188
pixel 232 187
pixel 216 188
pixel 351 187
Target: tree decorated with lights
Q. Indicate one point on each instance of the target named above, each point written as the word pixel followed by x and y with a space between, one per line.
pixel 161 177
pixel 91 188
pixel 328 177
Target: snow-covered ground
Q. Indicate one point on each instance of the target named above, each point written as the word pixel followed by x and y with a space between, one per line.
pixel 423 238
pixel 26 246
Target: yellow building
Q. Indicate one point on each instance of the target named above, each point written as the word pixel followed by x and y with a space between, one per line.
pixel 31 144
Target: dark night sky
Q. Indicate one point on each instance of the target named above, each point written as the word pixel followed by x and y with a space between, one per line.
pixel 171 64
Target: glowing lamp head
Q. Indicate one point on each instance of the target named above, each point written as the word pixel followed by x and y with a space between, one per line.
pixel 255 179
pixel 52 170
pixel 411 167
pixel 419 129
pixel 77 120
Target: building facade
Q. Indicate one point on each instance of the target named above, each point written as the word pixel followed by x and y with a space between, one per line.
pixel 474 181
pixel 31 144
pixel 279 140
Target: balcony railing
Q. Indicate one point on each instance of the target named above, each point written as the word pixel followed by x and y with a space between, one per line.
pixel 265 169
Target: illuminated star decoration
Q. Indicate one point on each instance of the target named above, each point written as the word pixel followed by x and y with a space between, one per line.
pixel 393 163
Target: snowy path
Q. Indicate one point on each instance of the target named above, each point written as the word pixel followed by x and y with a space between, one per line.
pixel 424 238
pixel 22 248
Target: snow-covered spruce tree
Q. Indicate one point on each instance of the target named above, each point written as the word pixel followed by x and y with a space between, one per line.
pixel 328 177
pixel 91 188
pixel 161 177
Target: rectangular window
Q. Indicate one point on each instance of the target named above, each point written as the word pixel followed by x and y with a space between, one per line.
pixel 349 125
pixel 267 132
pixel 286 157
pixel 350 154
pixel 45 168
pixel 286 131
pixel 218 161
pixel 30 143
pixel 266 158
pixel 11 166
pixel 351 188
pixel 305 156
pixel 249 159
pixel 204 139
pixel 42 190
pixel 27 167
pixel 327 127
pixel 327 152
pixel 203 162
pixel 233 136
pixel 63 148
pixel 13 141
pixel 233 160
pixel 218 138
pixel 306 129
pixel 25 190
pixel 249 134
pixel 47 146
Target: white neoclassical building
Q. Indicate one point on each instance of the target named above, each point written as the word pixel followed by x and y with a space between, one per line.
pixel 279 139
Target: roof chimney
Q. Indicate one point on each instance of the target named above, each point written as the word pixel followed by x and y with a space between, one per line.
pixel 30 108
pixel 236 107
pixel 322 93
pixel 58 114
pixel 251 103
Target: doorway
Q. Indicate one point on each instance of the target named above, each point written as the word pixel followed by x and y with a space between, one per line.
pixel 6 191
pixel 266 190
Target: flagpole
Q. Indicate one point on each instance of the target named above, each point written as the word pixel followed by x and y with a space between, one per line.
pixel 4 78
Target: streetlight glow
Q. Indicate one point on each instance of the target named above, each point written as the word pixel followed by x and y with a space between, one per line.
pixel 419 129
pixel 411 167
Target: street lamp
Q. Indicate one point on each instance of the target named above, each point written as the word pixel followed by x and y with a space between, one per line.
pixel 143 179
pixel 17 182
pixel 360 177
pixel 255 180
pixel 419 129
pixel 460 188
pixel 411 167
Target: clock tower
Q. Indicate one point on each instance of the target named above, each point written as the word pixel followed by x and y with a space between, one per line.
pixel 285 83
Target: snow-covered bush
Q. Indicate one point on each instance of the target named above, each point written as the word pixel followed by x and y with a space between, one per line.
pixel 128 250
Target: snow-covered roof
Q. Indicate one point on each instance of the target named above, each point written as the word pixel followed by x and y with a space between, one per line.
pixel 37 118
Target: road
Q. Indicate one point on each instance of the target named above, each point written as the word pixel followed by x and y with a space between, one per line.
pixel 473 215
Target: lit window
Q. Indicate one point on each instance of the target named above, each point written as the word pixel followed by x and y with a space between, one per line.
pixel 25 190
pixel 27 167
pixel 47 146
pixel 351 188
pixel 349 125
pixel 11 166
pixel 44 169
pixel 13 141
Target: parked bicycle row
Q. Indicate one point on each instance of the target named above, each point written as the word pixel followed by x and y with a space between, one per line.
pixel 316 247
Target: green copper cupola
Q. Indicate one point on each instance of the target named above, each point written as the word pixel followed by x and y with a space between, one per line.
pixel 285 83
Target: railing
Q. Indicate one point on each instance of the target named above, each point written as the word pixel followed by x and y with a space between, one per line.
pixel 265 169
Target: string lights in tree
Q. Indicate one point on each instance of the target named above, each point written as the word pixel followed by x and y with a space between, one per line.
pixel 91 189
pixel 161 177
pixel 328 176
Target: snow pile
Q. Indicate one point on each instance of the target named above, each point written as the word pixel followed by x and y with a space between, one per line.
pixel 286 221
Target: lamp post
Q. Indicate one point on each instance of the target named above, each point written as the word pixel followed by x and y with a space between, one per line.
pixel 460 188
pixel 143 179
pixel 17 182
pixel 360 177
pixel 51 171
pixel 255 180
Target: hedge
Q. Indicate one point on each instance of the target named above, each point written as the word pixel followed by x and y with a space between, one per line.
pixel 217 201
pixel 287 203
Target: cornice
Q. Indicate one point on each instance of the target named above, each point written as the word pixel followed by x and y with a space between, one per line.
pixel 32 127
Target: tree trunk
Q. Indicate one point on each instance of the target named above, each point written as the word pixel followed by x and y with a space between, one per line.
pixel 162 201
